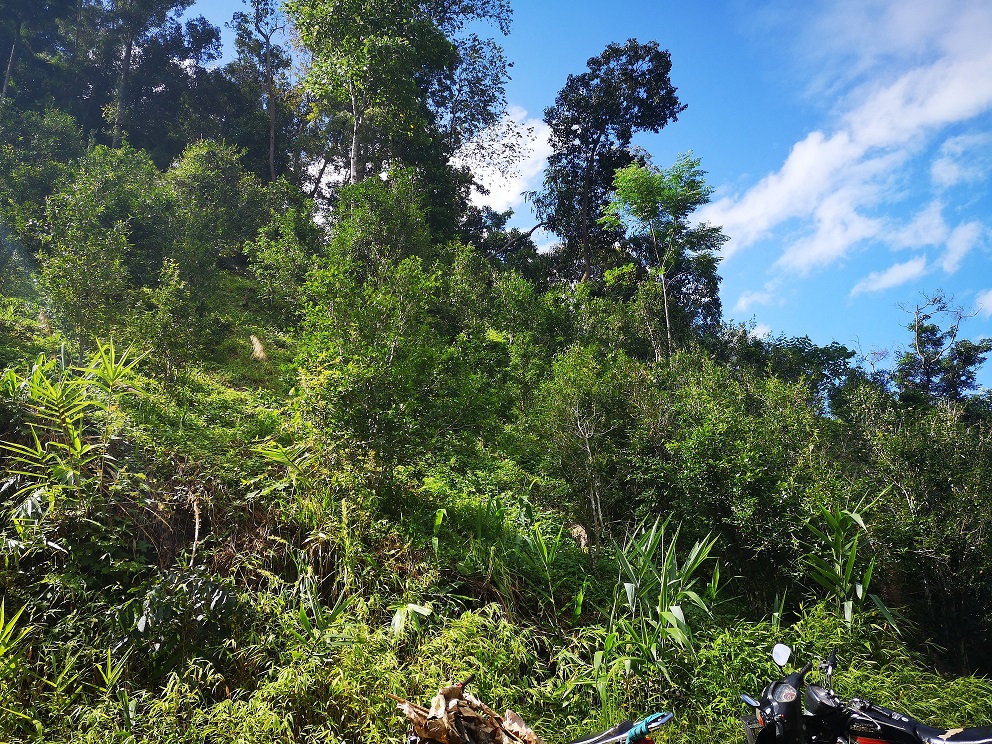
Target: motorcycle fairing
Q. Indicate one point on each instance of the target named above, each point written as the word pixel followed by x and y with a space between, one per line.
pixel 756 733
pixel 929 735
pixel 765 736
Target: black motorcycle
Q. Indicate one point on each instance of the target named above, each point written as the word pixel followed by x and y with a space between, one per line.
pixel 821 717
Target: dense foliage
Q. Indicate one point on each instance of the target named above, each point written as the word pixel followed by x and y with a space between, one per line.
pixel 287 423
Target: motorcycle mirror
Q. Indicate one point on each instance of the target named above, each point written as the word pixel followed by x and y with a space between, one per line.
pixel 831 665
pixel 781 654
pixel 750 700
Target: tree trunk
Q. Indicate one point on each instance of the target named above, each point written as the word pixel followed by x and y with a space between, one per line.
pixel 75 33
pixel 586 189
pixel 270 103
pixel 586 251
pixel 10 69
pixel 319 178
pixel 664 295
pixel 357 156
pixel 272 135
pixel 664 283
pixel 122 93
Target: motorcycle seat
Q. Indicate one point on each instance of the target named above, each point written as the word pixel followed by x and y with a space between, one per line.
pixel 954 736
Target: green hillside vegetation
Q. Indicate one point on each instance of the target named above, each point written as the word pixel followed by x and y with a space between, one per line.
pixel 273 448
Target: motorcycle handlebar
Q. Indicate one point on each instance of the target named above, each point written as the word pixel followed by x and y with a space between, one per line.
pixel 644 727
pixel 828 667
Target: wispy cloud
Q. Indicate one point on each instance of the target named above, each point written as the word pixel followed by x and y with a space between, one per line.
pixel 838 226
pixel 752 299
pixel 959 244
pixel 914 70
pixel 983 303
pixel 792 191
pixel 893 276
pixel 966 158
pixel 927 227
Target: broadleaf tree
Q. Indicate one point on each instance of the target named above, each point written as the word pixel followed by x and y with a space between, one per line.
pixel 367 56
pixel 626 89
pixel 938 365
pixel 257 36
pixel 680 256
pixel 134 19
pixel 414 85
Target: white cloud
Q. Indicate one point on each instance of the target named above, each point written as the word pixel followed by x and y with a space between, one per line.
pixel 914 68
pixel 792 191
pixel 963 159
pixel 926 228
pixel 838 226
pixel 752 299
pixel 853 39
pixel 959 244
pixel 983 303
pixel 506 189
pixel 946 92
pixel 892 276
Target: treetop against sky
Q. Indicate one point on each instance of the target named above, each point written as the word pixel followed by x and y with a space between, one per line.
pixel 849 144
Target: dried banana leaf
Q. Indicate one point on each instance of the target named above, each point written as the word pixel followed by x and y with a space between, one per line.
pixel 458 717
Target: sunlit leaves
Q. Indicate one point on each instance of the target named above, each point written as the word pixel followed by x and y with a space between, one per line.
pixel 655 204
pixel 65 462
pixel 840 573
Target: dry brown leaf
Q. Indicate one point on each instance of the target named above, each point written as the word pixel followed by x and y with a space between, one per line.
pixel 458 717
pixel 515 725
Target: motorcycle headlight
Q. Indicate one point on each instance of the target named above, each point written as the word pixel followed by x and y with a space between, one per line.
pixel 784 694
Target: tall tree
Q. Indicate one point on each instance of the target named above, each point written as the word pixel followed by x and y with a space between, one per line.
pixel 938 365
pixel 469 107
pixel 256 40
pixel 173 92
pixel 32 49
pixel 627 89
pixel 409 81
pixel 10 68
pixel 134 19
pixel 367 56
pixel 680 256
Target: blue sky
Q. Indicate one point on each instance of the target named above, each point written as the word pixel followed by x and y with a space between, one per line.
pixel 849 144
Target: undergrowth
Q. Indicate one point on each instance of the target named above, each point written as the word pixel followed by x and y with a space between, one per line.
pixel 207 568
